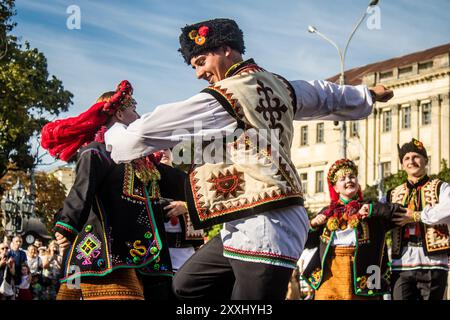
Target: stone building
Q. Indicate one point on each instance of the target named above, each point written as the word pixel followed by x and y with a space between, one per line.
pixel 65 174
pixel 420 109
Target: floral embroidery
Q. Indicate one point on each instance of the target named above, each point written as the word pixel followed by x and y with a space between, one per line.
pixel 317 274
pixel 147 173
pixel 341 216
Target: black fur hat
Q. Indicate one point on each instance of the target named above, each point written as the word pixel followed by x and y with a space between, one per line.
pixel 209 35
pixel 413 146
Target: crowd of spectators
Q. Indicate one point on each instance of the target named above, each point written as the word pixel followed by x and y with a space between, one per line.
pixel 31 274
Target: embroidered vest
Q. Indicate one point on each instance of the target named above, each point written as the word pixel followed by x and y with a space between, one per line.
pixel 257 174
pixel 435 238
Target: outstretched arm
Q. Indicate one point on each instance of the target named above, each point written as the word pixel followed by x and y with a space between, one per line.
pixel 324 100
pixel 199 116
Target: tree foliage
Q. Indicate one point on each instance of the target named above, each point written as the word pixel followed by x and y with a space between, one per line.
pixel 27 94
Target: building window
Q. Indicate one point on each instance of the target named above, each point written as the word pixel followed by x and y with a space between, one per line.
pixel 387 74
pixel 304 181
pixel 385 169
pixel 405 70
pixel 387 121
pixel 319 181
pixel 354 129
pixel 406 118
pixel 304 136
pixel 320 133
pixel 426 113
pixel 425 65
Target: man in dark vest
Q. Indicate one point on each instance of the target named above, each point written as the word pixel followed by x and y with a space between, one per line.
pixel 420 246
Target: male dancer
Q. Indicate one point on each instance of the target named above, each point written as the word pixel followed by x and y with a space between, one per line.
pixel 421 245
pixel 256 192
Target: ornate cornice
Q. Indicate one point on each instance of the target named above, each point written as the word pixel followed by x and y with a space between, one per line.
pixel 400 83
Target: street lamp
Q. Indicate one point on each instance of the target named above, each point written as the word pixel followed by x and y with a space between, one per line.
pixel 342 55
pixel 16 204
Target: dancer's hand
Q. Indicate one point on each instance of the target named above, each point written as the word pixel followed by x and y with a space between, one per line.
pixel 175 208
pixel 318 220
pixel 62 241
pixel 364 211
pixel 381 93
pixel 402 218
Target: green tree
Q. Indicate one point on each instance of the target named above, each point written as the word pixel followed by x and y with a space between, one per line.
pixel 27 94
pixel 444 173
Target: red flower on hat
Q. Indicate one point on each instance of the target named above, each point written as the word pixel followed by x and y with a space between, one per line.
pixel 203 31
pixel 418 143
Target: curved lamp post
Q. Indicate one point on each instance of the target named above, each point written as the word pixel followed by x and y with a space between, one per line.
pixel 342 55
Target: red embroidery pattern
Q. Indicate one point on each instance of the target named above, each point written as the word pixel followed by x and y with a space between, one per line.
pixel 233 205
pixel 130 190
pixel 226 184
pixel 260 253
pixel 229 97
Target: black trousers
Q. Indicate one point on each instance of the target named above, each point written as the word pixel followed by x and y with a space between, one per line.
pixel 419 284
pixel 157 288
pixel 208 275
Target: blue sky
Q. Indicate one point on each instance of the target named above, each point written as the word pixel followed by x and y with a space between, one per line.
pixel 138 40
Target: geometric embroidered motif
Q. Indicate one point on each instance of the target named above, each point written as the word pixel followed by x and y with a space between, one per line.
pixel 132 191
pixel 270 107
pixel 88 248
pixel 227 184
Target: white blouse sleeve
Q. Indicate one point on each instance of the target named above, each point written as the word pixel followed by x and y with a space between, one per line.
pixel 324 100
pixel 440 213
pixel 201 115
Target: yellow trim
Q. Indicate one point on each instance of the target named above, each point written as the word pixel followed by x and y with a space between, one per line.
pixel 104 233
pixel 234 66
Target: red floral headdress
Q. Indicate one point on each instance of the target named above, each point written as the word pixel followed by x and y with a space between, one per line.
pixel 63 138
pixel 341 215
pixel 343 164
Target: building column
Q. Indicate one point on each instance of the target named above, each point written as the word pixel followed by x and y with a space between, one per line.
pixel 396 127
pixel 437 131
pixel 415 118
pixel 376 137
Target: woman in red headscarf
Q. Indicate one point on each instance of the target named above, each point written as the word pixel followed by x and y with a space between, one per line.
pixel 351 260
pixel 111 220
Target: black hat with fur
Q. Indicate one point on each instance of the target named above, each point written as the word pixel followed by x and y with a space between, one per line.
pixel 209 35
pixel 413 146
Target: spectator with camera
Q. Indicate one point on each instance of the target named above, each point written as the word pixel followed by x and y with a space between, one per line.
pixel 34 262
pixel 52 263
pixel 7 271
